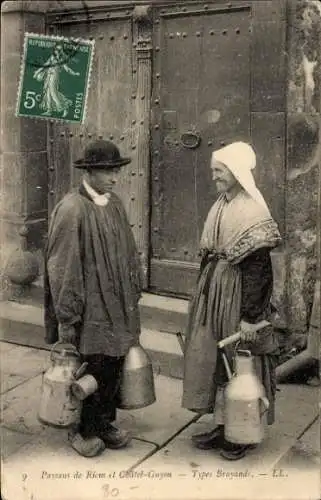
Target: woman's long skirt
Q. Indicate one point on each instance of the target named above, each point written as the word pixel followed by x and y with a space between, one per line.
pixel 214 314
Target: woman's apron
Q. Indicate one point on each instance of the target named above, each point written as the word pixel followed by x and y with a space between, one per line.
pixel 214 314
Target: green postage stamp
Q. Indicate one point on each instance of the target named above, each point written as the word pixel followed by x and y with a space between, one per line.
pixel 55 77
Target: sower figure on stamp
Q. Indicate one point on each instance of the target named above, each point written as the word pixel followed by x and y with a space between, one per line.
pixel 233 292
pixel 53 100
pixel 92 289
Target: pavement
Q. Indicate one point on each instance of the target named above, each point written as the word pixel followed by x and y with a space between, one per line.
pixel 160 463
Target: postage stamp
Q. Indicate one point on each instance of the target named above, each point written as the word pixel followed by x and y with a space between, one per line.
pixel 54 78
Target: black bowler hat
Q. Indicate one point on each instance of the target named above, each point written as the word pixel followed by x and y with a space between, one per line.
pixel 101 155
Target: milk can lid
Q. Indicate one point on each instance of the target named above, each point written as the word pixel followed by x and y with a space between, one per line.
pixel 64 350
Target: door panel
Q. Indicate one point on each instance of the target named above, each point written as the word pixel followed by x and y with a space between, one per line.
pixel 202 86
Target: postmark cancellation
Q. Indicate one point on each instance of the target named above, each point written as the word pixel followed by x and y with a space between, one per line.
pixel 55 77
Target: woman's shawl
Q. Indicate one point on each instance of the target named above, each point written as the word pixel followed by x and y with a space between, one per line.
pixel 237 228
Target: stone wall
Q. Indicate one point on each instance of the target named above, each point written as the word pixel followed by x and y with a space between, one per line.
pixel 303 158
pixel 23 205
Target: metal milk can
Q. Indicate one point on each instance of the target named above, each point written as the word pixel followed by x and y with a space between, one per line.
pixel 137 388
pixel 59 407
pixel 245 403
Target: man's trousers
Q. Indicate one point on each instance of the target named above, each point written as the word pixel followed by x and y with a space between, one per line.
pixel 99 408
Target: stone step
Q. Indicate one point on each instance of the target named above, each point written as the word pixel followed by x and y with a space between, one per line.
pixel 167 314
pixel 22 323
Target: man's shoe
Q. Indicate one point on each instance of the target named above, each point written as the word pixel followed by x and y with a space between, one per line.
pixel 114 438
pixel 87 447
pixel 231 451
pixel 209 440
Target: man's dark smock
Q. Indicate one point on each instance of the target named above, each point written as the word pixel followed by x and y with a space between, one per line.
pixel 92 275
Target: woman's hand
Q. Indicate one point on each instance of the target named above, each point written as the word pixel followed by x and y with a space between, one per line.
pixel 248 331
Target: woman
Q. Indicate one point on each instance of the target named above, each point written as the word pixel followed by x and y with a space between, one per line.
pixel 52 99
pixel 233 292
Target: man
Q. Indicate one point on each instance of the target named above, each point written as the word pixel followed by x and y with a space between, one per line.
pixel 92 288
pixel 233 292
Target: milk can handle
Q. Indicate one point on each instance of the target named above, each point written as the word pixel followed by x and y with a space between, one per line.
pixel 61 342
pixel 228 370
pixel 180 341
pixel 236 336
pixel 266 404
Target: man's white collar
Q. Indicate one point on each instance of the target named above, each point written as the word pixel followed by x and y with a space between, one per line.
pixel 99 199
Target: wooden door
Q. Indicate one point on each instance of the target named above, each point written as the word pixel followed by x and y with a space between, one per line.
pixel 109 111
pixel 117 110
pixel 201 101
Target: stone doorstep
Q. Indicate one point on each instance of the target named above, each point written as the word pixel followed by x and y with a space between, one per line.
pixel 158 312
pixel 162 317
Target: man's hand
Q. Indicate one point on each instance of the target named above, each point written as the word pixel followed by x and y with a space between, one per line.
pixel 67 334
pixel 248 331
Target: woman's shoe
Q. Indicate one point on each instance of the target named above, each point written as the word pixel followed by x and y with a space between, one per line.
pixel 231 451
pixel 209 440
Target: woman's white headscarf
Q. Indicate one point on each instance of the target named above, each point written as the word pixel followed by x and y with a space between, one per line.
pixel 240 159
